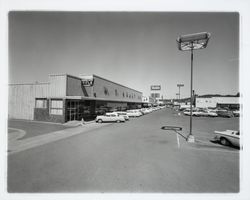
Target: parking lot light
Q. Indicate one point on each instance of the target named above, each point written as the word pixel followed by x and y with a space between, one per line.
pixel 192 42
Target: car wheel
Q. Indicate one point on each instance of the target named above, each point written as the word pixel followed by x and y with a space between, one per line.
pixel 224 141
pixel 118 121
pixel 99 121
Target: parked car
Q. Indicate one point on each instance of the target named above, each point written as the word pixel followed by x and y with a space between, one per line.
pixel 236 113
pixel 133 113
pixel 139 110
pixel 123 114
pixel 225 113
pixel 195 112
pixel 109 117
pixel 146 111
pixel 228 137
pixel 184 107
pixel 207 113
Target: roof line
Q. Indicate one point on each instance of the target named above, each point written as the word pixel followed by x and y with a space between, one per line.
pixel 47 83
pixel 116 83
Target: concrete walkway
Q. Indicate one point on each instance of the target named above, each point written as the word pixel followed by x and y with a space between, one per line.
pixel 15 145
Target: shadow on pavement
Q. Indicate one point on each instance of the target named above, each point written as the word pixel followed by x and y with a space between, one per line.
pixel 230 146
pixel 212 144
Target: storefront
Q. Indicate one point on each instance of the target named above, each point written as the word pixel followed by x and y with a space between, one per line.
pixel 222 102
pixel 68 97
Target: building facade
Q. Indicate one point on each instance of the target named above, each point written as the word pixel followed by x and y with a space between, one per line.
pixel 223 102
pixel 66 97
pixel 148 101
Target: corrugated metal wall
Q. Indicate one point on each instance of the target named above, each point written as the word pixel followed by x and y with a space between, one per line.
pixel 22 99
pixel 57 85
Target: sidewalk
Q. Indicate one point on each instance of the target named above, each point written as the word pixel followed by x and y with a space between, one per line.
pixel 15 145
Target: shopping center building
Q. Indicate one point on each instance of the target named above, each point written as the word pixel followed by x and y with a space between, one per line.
pixel 66 97
pixel 222 102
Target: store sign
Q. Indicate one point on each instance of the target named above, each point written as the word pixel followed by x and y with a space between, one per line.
pixel 155 87
pixel 87 80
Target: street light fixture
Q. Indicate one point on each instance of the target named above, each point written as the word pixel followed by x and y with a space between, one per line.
pixel 192 42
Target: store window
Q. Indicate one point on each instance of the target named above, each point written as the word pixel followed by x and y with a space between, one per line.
pixel 106 91
pixel 116 92
pixel 41 103
pixel 56 107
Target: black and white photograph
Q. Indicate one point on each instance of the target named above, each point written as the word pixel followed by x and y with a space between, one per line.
pixel 125 102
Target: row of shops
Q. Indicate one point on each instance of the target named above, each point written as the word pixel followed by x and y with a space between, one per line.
pixel 232 103
pixel 66 97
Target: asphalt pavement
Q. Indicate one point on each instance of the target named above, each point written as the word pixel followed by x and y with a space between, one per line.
pixel 136 156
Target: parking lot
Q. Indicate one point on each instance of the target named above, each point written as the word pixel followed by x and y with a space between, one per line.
pixel 135 156
pixel 204 127
pixel 32 128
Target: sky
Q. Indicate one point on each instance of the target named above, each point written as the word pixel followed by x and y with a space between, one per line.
pixel 136 49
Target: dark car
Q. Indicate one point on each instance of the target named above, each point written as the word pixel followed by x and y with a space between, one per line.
pixel 224 113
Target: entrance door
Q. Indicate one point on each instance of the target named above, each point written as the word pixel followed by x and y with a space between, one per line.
pixel 78 110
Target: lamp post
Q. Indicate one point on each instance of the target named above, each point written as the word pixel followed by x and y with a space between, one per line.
pixel 177 96
pixel 179 86
pixel 192 42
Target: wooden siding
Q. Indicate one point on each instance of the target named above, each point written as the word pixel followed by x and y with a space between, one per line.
pixel 57 85
pixel 22 99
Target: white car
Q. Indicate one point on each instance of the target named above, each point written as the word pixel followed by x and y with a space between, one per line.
pixel 109 117
pixel 123 114
pixel 236 113
pixel 195 112
pixel 134 113
pixel 228 137
pixel 207 113
pixel 146 111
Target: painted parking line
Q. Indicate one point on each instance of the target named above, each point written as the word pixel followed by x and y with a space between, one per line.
pixel 178 141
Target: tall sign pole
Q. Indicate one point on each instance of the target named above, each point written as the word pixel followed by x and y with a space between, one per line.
pixel 179 86
pixel 191 96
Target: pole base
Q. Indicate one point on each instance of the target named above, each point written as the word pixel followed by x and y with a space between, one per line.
pixel 190 139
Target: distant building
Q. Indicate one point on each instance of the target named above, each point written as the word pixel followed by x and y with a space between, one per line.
pixel 223 102
pixel 148 101
pixel 66 97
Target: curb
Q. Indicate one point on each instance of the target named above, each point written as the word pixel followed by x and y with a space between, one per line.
pixel 18 146
pixel 77 124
